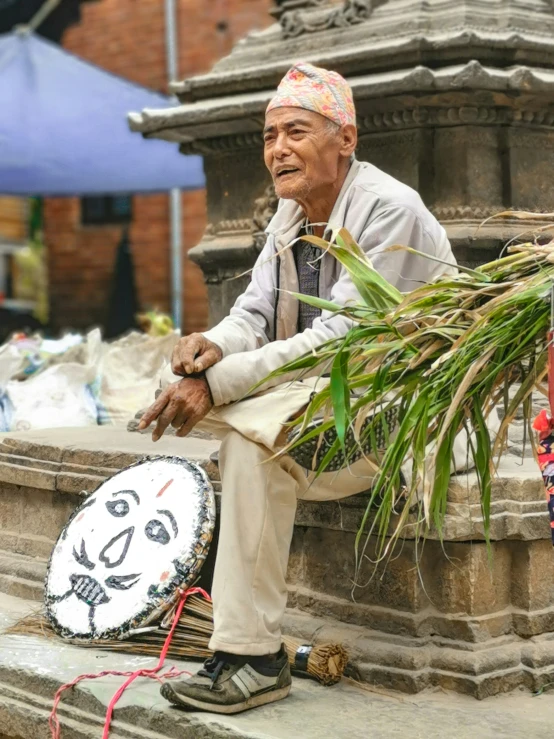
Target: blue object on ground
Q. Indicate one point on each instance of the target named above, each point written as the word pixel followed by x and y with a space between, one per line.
pixel 64 130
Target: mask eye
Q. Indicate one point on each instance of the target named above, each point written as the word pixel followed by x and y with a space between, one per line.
pixel 156 531
pixel 118 508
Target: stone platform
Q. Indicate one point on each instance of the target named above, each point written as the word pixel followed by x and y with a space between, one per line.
pixel 462 620
pixel 32 669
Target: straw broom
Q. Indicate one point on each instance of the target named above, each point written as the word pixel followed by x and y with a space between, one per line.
pixel 444 355
pixel 324 662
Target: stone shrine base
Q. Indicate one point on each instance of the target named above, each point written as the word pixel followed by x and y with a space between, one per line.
pixel 460 622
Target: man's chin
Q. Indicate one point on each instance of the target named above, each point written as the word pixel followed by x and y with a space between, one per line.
pixel 287 191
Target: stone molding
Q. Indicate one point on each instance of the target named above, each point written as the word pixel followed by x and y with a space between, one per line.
pixel 394 89
pixel 65 468
pixel 463 212
pixel 517 496
pixel 224 144
pixel 231 226
pixel 405 119
pixel 463 115
pixel 410 664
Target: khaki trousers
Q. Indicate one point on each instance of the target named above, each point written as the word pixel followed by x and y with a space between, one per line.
pixel 258 508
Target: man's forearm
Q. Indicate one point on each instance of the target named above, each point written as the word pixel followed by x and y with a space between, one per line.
pixel 234 377
pixel 235 335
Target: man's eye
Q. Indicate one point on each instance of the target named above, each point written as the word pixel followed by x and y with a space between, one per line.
pixel 156 531
pixel 118 508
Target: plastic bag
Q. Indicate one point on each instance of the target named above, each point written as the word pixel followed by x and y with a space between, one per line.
pixel 58 397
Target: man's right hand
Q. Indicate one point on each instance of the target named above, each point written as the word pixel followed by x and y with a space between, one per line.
pixel 193 354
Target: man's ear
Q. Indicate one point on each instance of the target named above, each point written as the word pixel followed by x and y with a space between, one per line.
pixel 349 134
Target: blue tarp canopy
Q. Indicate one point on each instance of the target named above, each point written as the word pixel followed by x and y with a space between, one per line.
pixel 64 131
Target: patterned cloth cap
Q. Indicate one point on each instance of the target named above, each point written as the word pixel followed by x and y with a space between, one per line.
pixel 316 89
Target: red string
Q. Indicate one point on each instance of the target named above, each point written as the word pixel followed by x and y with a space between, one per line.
pixel 53 721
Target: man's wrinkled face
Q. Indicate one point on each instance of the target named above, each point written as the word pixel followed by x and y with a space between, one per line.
pixel 302 151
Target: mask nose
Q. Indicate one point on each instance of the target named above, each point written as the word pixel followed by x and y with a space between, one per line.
pixel 116 549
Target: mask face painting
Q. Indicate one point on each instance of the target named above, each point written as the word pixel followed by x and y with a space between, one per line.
pixel 126 550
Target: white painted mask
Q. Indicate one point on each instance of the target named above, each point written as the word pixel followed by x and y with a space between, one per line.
pixel 129 548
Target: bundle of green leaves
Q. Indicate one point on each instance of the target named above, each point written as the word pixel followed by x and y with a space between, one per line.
pixel 445 354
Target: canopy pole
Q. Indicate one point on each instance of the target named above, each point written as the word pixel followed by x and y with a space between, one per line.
pixel 42 14
pixel 175 214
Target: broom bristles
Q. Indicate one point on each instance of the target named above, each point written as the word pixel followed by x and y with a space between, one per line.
pixel 326 662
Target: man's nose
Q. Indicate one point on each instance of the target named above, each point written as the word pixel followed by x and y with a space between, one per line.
pixel 116 549
pixel 281 147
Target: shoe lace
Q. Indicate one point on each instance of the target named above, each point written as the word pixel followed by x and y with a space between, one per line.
pixel 213 668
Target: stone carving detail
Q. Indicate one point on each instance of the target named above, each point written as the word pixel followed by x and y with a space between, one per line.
pixel 286 6
pixel 233 225
pixel 464 212
pixel 295 23
pixel 454 116
pixel 264 210
pixel 223 144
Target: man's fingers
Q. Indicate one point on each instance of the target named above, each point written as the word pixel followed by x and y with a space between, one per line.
pixel 189 351
pixel 207 359
pixel 164 419
pixel 187 427
pixel 178 420
pixel 183 355
pixel 154 411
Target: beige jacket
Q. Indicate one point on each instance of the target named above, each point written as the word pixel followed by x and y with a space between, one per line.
pixel 259 335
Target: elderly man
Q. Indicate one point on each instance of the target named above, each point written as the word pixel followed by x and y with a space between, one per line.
pixel 309 141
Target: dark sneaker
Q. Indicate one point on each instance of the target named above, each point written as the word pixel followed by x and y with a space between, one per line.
pixel 311 453
pixel 230 684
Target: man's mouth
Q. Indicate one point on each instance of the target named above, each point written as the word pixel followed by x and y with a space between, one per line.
pixel 89 590
pixel 286 171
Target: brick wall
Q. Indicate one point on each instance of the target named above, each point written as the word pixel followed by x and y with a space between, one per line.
pixel 127 37
pixel 13 218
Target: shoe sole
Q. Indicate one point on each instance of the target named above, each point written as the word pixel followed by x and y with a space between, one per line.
pixel 311 453
pixel 262 699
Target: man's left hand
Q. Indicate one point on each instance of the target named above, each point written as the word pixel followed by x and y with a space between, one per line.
pixel 182 404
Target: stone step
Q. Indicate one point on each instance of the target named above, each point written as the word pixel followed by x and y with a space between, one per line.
pixel 21 576
pixel 20 587
pixel 32 669
pixel 19 565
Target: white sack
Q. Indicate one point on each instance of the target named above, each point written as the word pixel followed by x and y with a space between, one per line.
pixel 58 397
pixel 129 375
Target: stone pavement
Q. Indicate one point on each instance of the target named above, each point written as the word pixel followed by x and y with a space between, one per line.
pixel 32 668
